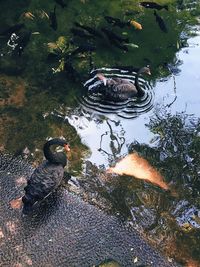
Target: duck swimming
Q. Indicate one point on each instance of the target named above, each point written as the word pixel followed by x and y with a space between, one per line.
pixel 120 89
pixel 47 176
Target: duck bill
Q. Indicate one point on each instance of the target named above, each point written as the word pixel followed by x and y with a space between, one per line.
pixel 102 78
pixel 149 72
pixel 104 81
pixel 67 148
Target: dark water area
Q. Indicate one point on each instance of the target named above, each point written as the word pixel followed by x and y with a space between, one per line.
pixel 49 60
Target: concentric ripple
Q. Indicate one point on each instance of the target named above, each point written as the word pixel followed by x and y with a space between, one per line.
pixel 130 108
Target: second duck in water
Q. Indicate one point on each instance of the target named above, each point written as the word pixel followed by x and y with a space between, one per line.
pixel 121 89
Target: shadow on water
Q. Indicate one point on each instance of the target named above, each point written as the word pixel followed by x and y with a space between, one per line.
pixel 128 109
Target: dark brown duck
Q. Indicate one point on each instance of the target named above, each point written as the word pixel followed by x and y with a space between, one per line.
pixel 47 176
pixel 120 89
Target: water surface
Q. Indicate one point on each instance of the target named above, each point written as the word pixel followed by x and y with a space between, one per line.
pixel 44 93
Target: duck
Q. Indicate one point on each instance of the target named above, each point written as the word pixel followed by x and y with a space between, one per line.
pixel 47 176
pixel 120 89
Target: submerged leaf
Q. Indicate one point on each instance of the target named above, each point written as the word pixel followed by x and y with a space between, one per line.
pixel 60 67
pixel 52 46
pixel 138 167
pixel 62 43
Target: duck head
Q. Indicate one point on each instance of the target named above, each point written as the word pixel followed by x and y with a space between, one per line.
pixel 56 157
pixel 145 70
pixel 102 78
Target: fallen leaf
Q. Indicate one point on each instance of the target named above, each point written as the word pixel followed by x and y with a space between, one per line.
pixel 136 166
pixel 16 203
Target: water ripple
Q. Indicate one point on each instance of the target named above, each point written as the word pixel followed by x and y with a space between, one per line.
pixel 128 109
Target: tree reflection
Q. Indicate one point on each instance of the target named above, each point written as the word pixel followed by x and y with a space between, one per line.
pixel 175 153
pixel 116 141
pixel 170 220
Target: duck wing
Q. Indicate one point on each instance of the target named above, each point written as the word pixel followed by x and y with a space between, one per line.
pixel 44 180
pixel 121 81
pixel 125 88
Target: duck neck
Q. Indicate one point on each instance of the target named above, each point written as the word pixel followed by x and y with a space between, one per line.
pixel 137 85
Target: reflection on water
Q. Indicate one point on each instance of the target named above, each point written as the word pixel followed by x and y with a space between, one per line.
pixel 127 109
pixel 116 141
pixel 187 215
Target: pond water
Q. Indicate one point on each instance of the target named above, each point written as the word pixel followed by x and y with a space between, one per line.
pixel 45 92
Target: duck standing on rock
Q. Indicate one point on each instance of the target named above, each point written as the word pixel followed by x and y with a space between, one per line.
pixel 47 176
pixel 120 89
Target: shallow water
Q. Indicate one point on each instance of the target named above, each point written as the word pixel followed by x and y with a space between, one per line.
pixel 39 98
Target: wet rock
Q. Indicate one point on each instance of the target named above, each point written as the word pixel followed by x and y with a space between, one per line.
pixel 64 230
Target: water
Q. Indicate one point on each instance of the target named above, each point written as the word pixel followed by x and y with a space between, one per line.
pixel 44 95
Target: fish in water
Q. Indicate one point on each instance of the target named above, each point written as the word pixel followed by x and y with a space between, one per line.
pixel 113 36
pixel 131 13
pixel 153 5
pixel 12 29
pixel 160 22
pixel 115 39
pixel 81 33
pixel 61 3
pixel 89 29
pixel 132 45
pixel 116 21
pixel 120 46
pixel 122 24
pixel 136 24
pixel 22 42
pixel 83 48
pixel 53 19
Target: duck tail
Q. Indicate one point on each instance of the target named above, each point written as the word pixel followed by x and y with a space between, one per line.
pixel 28 205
